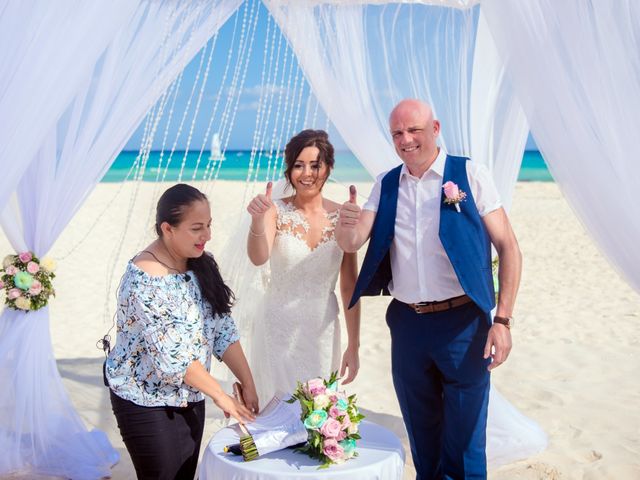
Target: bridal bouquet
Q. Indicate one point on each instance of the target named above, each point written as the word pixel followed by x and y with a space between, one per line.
pixel 331 419
pixel 26 281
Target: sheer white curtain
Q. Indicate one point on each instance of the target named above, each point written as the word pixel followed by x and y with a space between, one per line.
pixel 499 127
pixel 34 90
pixel 39 429
pixel 361 60
pixel 576 69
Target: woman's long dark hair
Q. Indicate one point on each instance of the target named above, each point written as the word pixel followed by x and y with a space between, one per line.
pixel 170 209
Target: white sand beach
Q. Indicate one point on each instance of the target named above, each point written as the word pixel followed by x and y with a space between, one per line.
pixel 574 366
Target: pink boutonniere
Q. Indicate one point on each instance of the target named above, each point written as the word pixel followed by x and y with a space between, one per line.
pixel 453 195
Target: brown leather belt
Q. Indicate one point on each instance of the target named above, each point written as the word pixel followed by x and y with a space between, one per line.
pixel 432 307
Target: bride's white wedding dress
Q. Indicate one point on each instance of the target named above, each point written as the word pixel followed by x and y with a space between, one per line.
pixel 297 336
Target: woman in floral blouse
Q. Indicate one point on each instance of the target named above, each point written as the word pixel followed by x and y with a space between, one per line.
pixel 173 315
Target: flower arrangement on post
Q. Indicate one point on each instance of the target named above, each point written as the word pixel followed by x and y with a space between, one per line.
pixel 331 419
pixel 26 281
pixel 453 195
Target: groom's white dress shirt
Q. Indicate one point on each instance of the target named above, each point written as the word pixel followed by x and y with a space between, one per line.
pixel 421 270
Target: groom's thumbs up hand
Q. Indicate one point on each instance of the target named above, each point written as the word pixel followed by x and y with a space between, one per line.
pixel 350 211
pixel 261 203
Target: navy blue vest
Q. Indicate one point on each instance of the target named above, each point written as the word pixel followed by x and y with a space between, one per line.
pixel 463 236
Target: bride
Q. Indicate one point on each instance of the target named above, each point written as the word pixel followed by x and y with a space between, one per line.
pixel 297 336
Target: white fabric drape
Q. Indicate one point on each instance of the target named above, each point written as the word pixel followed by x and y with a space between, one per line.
pixel 361 60
pixel 576 70
pixel 39 429
pixel 48 49
pixel 499 127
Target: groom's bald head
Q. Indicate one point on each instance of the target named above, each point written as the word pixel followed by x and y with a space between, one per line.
pixel 415 133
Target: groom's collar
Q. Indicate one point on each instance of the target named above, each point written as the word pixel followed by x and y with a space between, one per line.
pixel 436 167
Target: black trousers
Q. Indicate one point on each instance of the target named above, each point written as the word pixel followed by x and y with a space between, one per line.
pixel 163 442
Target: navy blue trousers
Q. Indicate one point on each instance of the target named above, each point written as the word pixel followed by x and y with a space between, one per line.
pixel 442 384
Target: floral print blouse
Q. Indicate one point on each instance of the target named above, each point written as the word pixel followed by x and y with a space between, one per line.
pixel 164 324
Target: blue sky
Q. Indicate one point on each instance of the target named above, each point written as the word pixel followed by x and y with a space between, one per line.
pixel 241 133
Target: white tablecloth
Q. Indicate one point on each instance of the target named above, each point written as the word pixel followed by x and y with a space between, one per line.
pixel 380 456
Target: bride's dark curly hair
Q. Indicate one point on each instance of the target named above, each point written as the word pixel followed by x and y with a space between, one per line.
pixel 171 207
pixel 304 139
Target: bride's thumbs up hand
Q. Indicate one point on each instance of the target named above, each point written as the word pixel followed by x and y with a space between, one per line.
pixel 350 211
pixel 261 203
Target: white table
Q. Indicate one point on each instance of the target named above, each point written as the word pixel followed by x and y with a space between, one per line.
pixel 380 457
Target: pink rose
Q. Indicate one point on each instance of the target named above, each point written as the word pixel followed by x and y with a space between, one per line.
pixel 11 270
pixel 334 412
pixel 33 267
pixel 451 190
pixel 330 428
pixel 315 386
pixel 13 293
pixel 342 435
pixel 332 450
pixel 25 257
pixel 36 288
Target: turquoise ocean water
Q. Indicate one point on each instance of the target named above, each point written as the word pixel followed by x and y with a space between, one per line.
pixel 235 166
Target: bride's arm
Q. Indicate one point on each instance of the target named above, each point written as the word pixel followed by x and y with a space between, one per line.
pixel 348 276
pixel 263 227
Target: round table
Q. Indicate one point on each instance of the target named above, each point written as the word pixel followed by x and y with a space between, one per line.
pixel 380 457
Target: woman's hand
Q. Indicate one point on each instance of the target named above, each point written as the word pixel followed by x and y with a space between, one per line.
pixel 231 406
pixel 350 360
pixel 259 206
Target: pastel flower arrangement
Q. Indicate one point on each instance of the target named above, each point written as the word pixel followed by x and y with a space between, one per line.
pixel 331 419
pixel 26 281
pixel 453 195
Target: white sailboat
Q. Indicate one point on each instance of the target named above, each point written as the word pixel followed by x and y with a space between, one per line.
pixel 216 153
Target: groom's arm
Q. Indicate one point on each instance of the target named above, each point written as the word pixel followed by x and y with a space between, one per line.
pixel 498 344
pixel 510 265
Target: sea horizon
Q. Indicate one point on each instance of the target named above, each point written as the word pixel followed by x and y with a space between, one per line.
pixel 235 166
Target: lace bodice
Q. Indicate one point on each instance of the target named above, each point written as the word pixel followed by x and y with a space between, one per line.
pixel 295 265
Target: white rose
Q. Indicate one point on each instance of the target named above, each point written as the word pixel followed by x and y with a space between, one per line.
pixel 8 260
pixel 23 303
pixel 48 263
pixel 321 401
pixel 353 428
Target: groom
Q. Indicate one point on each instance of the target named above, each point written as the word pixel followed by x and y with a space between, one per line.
pixel 430 248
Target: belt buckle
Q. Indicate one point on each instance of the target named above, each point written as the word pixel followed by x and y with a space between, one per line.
pixel 417 307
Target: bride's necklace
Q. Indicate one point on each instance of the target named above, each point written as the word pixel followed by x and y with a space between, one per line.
pixel 187 277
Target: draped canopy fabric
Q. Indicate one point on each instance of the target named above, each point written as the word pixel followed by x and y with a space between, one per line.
pixel 54 46
pixel 79 77
pixel 77 141
pixel 576 72
pixel 361 60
